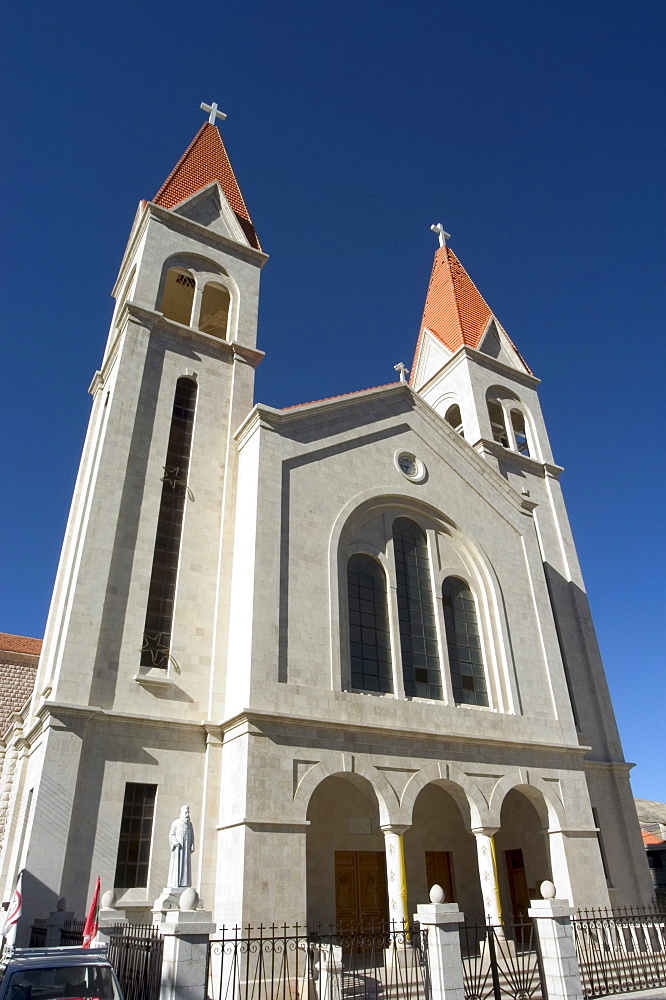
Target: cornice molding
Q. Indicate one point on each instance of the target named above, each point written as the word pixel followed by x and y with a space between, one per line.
pixel 250 717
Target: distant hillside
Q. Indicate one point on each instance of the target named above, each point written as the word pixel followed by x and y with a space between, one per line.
pixel 650 812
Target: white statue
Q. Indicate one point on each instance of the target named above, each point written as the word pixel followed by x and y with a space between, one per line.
pixel 181 840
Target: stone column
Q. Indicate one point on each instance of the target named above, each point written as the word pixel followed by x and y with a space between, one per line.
pixel 186 934
pixel 485 848
pixel 558 947
pixel 442 921
pixel 56 921
pixel 109 916
pixel 396 876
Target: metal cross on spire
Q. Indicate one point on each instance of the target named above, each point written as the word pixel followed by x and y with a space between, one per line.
pixel 214 113
pixel 439 229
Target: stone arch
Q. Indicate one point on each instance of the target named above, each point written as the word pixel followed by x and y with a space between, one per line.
pixel 547 804
pixel 362 776
pixel 465 792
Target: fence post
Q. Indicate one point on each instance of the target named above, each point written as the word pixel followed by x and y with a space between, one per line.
pixel 109 916
pixel 557 945
pixel 56 921
pixel 442 921
pixel 186 933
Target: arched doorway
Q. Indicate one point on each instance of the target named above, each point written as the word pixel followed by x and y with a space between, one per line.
pixel 346 861
pixel 523 854
pixel 439 848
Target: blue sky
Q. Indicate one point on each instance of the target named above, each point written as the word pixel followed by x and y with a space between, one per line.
pixel 533 130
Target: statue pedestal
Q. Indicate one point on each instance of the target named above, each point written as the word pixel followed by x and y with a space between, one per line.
pixel 186 934
pixel 168 899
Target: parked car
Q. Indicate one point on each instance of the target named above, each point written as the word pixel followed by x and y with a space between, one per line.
pixel 58 974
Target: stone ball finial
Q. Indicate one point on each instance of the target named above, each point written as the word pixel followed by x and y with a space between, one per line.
pixel 437 894
pixel 109 899
pixel 189 899
pixel 61 905
pixel 547 890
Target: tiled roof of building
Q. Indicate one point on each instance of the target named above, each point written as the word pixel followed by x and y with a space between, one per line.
pixel 17 680
pixel 205 160
pixel 19 644
pixel 652 838
pixel 455 312
pixel 342 395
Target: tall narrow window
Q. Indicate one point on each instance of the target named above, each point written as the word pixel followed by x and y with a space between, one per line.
pixel 136 832
pixel 498 427
pixel 416 612
pixel 369 636
pixel 520 434
pixel 454 418
pixel 156 647
pixel 468 676
pixel 178 295
pixel 214 314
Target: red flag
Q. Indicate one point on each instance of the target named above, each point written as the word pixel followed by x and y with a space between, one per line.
pixel 92 920
pixel 14 912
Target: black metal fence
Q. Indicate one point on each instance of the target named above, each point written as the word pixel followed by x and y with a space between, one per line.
pixel 503 962
pixel 620 951
pixel 292 963
pixel 71 932
pixel 135 952
pixel 38 934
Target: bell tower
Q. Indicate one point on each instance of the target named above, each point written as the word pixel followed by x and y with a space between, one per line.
pixel 138 621
pixel 468 369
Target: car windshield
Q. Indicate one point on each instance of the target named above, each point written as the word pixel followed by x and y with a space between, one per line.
pixel 71 982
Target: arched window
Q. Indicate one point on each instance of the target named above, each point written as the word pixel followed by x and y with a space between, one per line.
pixel 178 295
pixel 416 612
pixel 468 676
pixel 497 424
pixel 156 647
pixel 519 432
pixel 214 315
pixel 369 635
pixel 454 418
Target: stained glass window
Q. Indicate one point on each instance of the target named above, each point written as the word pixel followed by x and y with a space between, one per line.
pixel 416 612
pixel 468 675
pixel 369 636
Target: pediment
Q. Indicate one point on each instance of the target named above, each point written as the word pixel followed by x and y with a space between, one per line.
pixel 433 355
pixel 497 345
pixel 210 208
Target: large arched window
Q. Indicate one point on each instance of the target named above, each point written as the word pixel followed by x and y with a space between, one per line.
pixel 416 612
pixel 156 647
pixel 178 295
pixel 468 676
pixel 214 315
pixel 369 635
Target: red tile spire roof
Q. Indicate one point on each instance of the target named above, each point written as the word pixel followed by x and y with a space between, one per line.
pixel 205 160
pixel 455 312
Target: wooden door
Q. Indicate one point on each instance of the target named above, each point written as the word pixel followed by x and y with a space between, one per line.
pixel 439 871
pixel 520 899
pixel 360 890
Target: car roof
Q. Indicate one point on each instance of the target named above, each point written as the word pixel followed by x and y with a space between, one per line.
pixel 24 958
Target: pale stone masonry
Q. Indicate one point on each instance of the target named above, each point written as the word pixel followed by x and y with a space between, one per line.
pixel 315 797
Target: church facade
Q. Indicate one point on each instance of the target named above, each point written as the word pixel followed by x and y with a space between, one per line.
pixel 352 636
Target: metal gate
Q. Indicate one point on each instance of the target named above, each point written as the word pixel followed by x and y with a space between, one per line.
pixel 620 951
pixel 501 962
pixel 264 964
pixel 135 952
